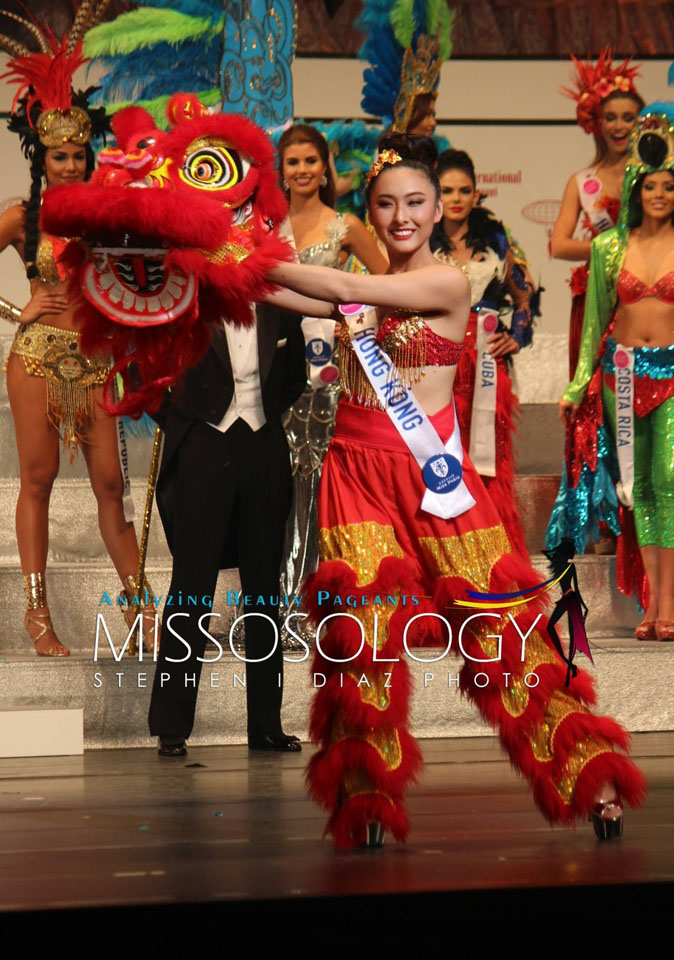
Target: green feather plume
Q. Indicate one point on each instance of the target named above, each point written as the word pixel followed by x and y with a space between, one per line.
pixel 403 22
pixel 440 21
pixel 145 27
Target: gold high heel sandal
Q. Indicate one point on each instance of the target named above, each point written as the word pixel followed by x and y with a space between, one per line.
pixel 149 622
pixel 36 597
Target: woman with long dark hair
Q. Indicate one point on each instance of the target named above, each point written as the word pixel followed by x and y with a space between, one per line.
pixel 471 238
pixel 407 529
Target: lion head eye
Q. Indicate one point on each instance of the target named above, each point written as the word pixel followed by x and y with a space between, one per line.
pixel 214 168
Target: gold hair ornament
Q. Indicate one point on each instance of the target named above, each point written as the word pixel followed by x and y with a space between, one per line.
pixel 385 158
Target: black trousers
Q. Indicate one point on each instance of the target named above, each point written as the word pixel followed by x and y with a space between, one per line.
pixel 233 485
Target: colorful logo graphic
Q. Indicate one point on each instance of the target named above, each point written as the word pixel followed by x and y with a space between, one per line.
pixel 488 601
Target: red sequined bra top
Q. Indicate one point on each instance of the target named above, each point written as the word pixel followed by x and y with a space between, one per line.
pixel 397 334
pixel 630 289
pixel 409 343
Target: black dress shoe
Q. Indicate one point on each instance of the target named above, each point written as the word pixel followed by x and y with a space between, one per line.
pixel 280 742
pixel 172 747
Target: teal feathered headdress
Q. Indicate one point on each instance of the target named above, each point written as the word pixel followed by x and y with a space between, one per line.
pixel 406 44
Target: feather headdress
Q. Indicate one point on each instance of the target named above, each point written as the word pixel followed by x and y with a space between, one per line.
pixel 45 104
pixel 406 44
pixel 593 83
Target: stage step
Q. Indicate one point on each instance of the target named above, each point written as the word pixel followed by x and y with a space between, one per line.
pixel 610 612
pixel 73 523
pixel 635 681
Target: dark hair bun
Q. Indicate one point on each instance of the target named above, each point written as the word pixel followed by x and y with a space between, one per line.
pixel 411 147
pixel 456 160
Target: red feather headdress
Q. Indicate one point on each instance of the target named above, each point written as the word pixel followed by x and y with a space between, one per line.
pixel 595 82
pixel 46 79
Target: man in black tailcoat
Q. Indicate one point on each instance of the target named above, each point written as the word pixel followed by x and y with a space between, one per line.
pixel 224 493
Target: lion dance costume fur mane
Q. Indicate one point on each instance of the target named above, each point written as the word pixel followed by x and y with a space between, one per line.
pixel 190 245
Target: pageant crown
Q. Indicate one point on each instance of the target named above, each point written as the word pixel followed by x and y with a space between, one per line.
pixel 595 82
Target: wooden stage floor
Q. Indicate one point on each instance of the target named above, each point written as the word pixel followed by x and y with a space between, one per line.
pixel 125 827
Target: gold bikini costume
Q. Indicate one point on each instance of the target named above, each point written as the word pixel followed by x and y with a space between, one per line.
pixel 55 354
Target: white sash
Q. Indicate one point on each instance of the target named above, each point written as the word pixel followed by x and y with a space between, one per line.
pixel 482 451
pixel 446 493
pixel 623 360
pixel 319 339
pixel 589 190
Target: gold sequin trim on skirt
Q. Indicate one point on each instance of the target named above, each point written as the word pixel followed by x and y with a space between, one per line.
pixel 361 545
pixel 375 690
pixel 515 697
pixel 471 555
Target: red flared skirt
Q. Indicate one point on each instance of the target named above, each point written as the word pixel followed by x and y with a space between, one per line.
pixel 385 561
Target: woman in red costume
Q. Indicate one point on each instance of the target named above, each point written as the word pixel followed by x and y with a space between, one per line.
pixel 471 238
pixel 393 543
pixel 54 390
pixel 607 106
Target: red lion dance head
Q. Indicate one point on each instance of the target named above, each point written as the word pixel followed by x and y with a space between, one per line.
pixel 175 230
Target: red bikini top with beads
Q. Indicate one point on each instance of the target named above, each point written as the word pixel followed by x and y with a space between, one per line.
pixel 630 289
pixel 411 346
pixel 399 334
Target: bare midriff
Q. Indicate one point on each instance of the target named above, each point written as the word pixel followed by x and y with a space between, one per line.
pixel 66 320
pixel 647 323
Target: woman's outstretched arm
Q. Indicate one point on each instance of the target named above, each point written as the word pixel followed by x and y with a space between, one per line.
pixel 436 288
pixel 286 299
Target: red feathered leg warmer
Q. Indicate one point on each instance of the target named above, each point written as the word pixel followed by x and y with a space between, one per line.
pixel 564 750
pixel 359 715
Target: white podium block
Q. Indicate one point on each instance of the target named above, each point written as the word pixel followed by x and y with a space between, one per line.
pixel 41 733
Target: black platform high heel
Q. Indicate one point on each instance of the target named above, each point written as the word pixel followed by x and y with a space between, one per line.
pixel 374 835
pixel 607 822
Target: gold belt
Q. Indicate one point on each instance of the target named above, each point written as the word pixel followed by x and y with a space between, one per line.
pixel 55 354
